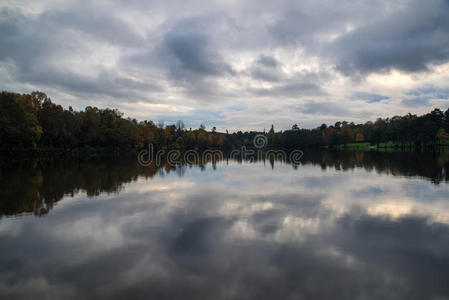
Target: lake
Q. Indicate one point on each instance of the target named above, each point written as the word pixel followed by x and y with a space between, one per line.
pixel 348 225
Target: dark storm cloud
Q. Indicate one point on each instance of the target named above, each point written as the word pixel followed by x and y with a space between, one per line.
pixel 267 68
pixel 194 63
pixel 411 40
pixel 268 61
pixel 265 75
pixel 189 58
pixel 191 52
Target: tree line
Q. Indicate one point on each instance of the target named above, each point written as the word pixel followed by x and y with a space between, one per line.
pixel 33 121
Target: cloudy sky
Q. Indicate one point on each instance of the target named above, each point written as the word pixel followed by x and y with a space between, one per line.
pixel 232 64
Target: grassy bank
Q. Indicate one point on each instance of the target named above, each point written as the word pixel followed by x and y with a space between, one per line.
pixel 390 145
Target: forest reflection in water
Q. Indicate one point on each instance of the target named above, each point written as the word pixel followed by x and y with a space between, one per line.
pixel 35 186
pixel 341 225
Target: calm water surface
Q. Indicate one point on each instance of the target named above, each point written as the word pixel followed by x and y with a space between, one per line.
pixel 338 226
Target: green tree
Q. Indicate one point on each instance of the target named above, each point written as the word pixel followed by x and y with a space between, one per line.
pixel 19 125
